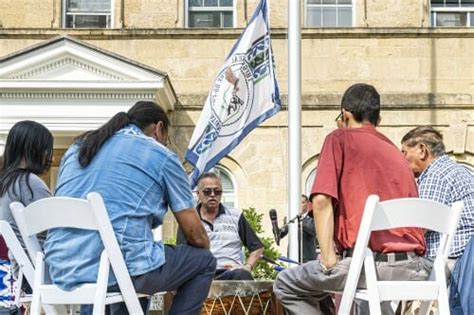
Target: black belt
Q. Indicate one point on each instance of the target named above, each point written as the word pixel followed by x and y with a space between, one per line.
pixel 385 257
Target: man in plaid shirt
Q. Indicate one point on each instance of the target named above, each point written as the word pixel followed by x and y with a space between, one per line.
pixel 443 180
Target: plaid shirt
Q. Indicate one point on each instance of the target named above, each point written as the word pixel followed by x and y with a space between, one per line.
pixel 446 181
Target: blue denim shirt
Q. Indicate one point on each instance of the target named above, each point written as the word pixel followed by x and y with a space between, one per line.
pixel 138 179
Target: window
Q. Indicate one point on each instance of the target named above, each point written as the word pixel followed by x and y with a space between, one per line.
pixel 309 183
pixel 328 13
pixel 228 187
pixel 87 13
pixel 210 13
pixel 452 13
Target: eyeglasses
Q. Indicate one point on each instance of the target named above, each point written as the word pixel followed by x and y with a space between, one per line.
pixel 339 117
pixel 209 191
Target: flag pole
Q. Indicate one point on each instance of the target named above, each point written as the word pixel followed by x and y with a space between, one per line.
pixel 294 121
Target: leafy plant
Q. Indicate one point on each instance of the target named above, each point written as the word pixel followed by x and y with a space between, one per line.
pixel 170 240
pixel 262 270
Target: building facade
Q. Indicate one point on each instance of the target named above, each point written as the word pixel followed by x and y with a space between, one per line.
pixel 71 64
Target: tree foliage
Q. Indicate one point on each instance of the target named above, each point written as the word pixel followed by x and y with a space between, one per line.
pixel 262 270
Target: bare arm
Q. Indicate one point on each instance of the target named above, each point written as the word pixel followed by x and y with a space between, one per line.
pixel 324 222
pixel 254 257
pixel 193 231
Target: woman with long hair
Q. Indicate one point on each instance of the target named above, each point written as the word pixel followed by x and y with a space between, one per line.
pixel 28 154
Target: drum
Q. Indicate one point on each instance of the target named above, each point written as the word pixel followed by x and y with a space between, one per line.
pixel 240 297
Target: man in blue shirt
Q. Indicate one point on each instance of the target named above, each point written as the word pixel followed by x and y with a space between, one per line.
pixel 443 180
pixel 126 161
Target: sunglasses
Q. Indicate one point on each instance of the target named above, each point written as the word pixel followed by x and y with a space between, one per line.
pixel 339 117
pixel 209 191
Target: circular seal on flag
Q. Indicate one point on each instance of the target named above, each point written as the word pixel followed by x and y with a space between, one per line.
pixel 231 96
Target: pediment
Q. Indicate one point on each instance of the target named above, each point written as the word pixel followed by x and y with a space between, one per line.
pixel 64 58
pixel 67 68
pixel 70 85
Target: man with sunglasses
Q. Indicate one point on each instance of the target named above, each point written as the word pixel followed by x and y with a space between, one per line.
pixel 228 230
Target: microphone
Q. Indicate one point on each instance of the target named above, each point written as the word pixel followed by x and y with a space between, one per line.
pixel 275 229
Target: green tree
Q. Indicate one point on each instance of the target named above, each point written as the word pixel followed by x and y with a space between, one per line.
pixel 262 270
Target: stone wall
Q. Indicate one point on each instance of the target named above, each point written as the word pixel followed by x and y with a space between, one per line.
pixel 395 61
pixel 136 14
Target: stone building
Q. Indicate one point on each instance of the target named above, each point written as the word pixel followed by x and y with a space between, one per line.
pixel 71 64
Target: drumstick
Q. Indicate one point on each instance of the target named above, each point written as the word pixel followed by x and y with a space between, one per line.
pixel 269 260
pixel 288 260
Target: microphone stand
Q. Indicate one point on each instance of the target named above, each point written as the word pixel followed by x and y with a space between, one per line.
pixel 296 217
pixel 300 234
pixel 300 239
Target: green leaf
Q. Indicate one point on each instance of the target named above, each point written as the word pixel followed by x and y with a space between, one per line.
pixel 262 270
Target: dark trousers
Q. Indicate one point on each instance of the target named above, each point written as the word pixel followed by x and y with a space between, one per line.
pixel 233 274
pixel 187 270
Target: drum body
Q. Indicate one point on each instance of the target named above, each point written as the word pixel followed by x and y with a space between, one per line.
pixel 239 297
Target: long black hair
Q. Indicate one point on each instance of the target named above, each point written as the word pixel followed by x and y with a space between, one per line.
pixel 142 114
pixel 29 149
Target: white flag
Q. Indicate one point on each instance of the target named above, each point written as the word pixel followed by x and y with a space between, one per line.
pixel 244 94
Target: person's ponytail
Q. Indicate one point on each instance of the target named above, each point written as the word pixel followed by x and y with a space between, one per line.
pixel 142 114
pixel 91 141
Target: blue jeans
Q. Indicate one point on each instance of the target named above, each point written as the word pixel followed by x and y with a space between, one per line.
pixel 188 271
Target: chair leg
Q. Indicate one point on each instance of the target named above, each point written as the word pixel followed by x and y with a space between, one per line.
pixel 72 309
pixel 35 308
pixel 18 288
pixel 101 290
pixel 371 280
pixel 39 277
pixel 443 304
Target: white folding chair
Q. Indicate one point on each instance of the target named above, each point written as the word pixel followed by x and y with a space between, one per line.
pixel 406 212
pixel 24 264
pixel 90 214
pixel 25 267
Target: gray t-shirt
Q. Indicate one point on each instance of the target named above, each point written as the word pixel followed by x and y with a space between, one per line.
pixel 23 195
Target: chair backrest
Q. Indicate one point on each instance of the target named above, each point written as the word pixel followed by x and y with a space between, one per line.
pixel 49 213
pixel 396 213
pixel 414 212
pixel 63 212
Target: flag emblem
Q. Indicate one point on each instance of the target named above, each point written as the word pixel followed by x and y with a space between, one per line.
pixel 244 94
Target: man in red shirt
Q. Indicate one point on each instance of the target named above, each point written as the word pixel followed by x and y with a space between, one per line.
pixel 355 162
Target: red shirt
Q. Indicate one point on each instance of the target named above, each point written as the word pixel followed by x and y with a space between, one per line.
pixel 355 163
